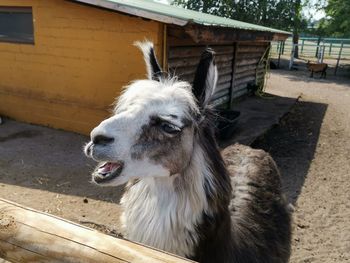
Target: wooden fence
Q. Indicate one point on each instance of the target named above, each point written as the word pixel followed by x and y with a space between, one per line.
pixel 27 235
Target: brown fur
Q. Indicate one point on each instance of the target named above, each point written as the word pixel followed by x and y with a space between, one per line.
pixel 155 145
pixel 250 221
pixel 317 67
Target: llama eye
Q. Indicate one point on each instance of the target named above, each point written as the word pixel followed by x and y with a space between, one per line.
pixel 169 128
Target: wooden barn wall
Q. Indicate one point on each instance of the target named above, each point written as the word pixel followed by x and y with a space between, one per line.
pixel 249 68
pixel 183 61
pixel 236 68
pixel 81 59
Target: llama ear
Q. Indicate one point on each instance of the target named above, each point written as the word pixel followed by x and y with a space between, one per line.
pixel 205 78
pixel 154 71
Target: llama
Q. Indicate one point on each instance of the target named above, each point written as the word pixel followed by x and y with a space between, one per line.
pixel 317 67
pixel 181 196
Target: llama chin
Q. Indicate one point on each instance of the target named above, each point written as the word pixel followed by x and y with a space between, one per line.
pixel 181 196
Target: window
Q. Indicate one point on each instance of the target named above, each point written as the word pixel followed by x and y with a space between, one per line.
pixel 16 24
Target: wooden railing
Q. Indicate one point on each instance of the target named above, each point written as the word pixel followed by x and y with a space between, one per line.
pixel 27 235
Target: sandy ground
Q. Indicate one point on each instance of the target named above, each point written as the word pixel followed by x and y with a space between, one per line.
pixel 46 169
pixel 311 146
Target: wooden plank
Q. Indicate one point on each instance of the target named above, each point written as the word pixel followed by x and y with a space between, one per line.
pixel 215 35
pixel 248 72
pixel 225 35
pixel 183 61
pixel 253 43
pixel 220 93
pixel 252 54
pixel 225 70
pixel 193 61
pixel 246 49
pixel 221 100
pixel 192 51
pixel 225 78
pixel 225 85
pixel 234 68
pixel 250 61
pixel 245 80
pixel 240 92
pixel 224 64
pixel 240 87
pixel 27 235
pixel 245 74
pixel 245 68
pixel 190 70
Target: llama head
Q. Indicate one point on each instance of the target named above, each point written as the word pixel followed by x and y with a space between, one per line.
pixel 152 131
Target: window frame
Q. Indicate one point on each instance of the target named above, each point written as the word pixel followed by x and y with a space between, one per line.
pixel 18 10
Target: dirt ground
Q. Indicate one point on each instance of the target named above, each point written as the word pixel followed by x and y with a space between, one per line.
pixel 312 148
pixel 46 169
pixel 311 145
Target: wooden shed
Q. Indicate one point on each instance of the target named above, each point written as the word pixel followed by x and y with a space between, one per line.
pixel 62 63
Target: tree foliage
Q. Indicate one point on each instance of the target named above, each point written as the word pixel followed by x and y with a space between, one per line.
pixel 279 14
pixel 337 21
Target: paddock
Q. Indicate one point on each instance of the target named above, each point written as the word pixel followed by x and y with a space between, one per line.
pixel 314 135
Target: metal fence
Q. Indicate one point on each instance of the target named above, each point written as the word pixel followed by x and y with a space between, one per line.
pixel 309 47
pixel 313 47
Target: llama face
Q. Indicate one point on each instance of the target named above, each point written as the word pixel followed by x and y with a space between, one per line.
pixel 152 131
pixel 150 134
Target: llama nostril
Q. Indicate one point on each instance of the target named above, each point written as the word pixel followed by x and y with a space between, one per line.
pixel 101 139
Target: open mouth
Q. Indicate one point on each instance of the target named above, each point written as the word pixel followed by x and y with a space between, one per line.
pixel 107 171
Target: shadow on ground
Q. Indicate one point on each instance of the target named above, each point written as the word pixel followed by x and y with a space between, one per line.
pixel 257 116
pixel 293 143
pixel 52 160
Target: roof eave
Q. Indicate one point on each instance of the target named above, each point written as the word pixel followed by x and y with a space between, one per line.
pixel 135 11
pixel 216 34
pixel 278 35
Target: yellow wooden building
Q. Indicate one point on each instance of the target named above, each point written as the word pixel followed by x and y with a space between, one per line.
pixel 62 63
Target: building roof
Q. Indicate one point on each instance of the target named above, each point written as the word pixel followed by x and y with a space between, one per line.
pixel 170 14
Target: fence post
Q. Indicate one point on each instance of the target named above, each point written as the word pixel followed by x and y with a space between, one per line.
pixel 279 55
pixel 339 57
pixel 330 49
pixel 318 44
pixel 302 46
pixel 292 56
pixel 320 55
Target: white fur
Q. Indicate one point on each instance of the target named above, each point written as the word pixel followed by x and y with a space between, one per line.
pixel 159 210
pixel 145 47
pixel 163 212
pixel 210 84
pixel 141 100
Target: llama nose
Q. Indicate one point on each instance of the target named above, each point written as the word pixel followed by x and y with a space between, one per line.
pixel 101 139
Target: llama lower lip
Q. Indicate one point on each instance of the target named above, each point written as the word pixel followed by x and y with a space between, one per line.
pixel 107 171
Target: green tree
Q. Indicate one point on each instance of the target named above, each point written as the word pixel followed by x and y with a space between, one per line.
pixel 296 25
pixel 272 13
pixel 337 21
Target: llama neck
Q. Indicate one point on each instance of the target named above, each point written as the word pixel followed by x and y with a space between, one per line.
pixel 164 212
